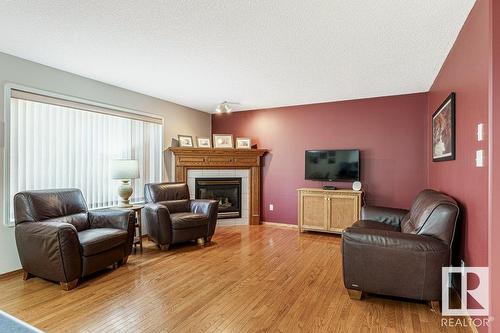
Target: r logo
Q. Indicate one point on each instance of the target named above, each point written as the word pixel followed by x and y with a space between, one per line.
pixel 480 293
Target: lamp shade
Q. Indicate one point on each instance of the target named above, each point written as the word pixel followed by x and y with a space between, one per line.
pixel 124 169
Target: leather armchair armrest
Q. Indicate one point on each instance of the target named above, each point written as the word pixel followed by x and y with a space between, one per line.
pixel 200 206
pixel 158 223
pixel 115 219
pixel 391 216
pixel 207 207
pixel 50 250
pixel 393 240
pixel 111 218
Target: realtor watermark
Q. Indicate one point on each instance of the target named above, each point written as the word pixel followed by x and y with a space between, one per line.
pixel 476 314
pixel 465 322
pixel 480 292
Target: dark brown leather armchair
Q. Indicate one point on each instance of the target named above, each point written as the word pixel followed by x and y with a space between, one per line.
pixel 58 239
pixel 171 217
pixel 400 253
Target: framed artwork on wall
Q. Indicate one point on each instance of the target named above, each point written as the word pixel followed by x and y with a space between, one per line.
pixel 243 143
pixel 443 131
pixel 204 142
pixel 185 140
pixel 223 140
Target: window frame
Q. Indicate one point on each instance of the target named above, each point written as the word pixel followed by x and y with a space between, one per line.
pixel 5 138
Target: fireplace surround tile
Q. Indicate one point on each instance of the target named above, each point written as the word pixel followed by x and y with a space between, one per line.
pixel 245 188
pixel 227 173
pixel 196 173
pixel 211 173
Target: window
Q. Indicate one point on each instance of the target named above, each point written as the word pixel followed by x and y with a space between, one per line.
pixel 55 143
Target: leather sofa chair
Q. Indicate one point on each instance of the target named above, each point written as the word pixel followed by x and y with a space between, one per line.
pixel 59 239
pixel 400 253
pixel 171 217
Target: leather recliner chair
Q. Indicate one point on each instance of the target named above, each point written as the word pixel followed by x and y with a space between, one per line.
pixel 59 239
pixel 171 217
pixel 400 253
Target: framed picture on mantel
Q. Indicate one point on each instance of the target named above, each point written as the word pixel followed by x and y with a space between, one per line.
pixel 223 141
pixel 185 140
pixel 443 131
pixel 243 143
pixel 204 143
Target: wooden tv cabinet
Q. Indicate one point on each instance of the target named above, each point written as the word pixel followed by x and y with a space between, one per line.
pixel 328 210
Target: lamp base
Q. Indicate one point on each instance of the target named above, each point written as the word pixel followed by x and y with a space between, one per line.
pixel 124 192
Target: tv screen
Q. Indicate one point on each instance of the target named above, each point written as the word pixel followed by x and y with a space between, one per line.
pixel 332 165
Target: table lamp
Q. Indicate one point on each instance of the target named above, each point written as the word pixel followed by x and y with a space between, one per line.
pixel 125 170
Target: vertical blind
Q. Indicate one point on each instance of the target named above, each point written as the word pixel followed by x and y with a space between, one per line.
pixel 53 146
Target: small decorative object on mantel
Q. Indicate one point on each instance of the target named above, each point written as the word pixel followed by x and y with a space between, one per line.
pixel 243 143
pixel 185 141
pixel 223 141
pixel 203 142
pixel 174 143
pixel 443 131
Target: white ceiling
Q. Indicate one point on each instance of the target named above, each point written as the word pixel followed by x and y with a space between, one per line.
pixel 261 53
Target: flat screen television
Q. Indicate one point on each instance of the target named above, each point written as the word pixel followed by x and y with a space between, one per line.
pixel 332 165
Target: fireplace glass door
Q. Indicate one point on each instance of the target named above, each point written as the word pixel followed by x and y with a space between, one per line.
pixel 225 190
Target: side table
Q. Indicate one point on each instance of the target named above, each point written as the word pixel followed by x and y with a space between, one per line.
pixel 138 225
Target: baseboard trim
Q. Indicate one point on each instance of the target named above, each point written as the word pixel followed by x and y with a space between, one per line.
pixel 11 274
pixel 280 225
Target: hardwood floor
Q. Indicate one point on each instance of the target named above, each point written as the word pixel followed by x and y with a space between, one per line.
pixel 251 279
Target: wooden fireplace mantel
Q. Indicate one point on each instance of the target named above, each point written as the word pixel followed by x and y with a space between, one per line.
pixel 223 158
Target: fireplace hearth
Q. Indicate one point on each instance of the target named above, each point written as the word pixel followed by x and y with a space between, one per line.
pixel 225 190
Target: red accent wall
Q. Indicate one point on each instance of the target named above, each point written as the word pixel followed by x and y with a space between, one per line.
pixel 389 131
pixel 494 133
pixel 466 72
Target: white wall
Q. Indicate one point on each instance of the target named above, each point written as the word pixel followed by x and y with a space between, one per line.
pixel 178 119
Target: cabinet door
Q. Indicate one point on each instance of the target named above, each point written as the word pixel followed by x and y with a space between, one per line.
pixel 343 211
pixel 314 207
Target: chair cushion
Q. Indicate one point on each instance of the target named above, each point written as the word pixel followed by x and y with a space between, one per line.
pixel 176 206
pixel 188 220
pixel 94 241
pixel 369 224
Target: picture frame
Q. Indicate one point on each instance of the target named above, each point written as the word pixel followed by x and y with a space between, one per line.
pixel 203 142
pixel 443 131
pixel 223 141
pixel 185 141
pixel 243 143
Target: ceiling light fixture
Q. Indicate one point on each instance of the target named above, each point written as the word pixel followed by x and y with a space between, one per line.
pixel 225 107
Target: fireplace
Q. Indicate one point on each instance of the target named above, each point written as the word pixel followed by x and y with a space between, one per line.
pixel 219 162
pixel 225 190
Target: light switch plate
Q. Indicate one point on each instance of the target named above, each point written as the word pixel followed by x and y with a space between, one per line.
pixel 480 132
pixel 271 207
pixel 479 158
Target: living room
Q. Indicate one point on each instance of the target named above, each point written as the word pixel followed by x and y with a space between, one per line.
pixel 234 166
